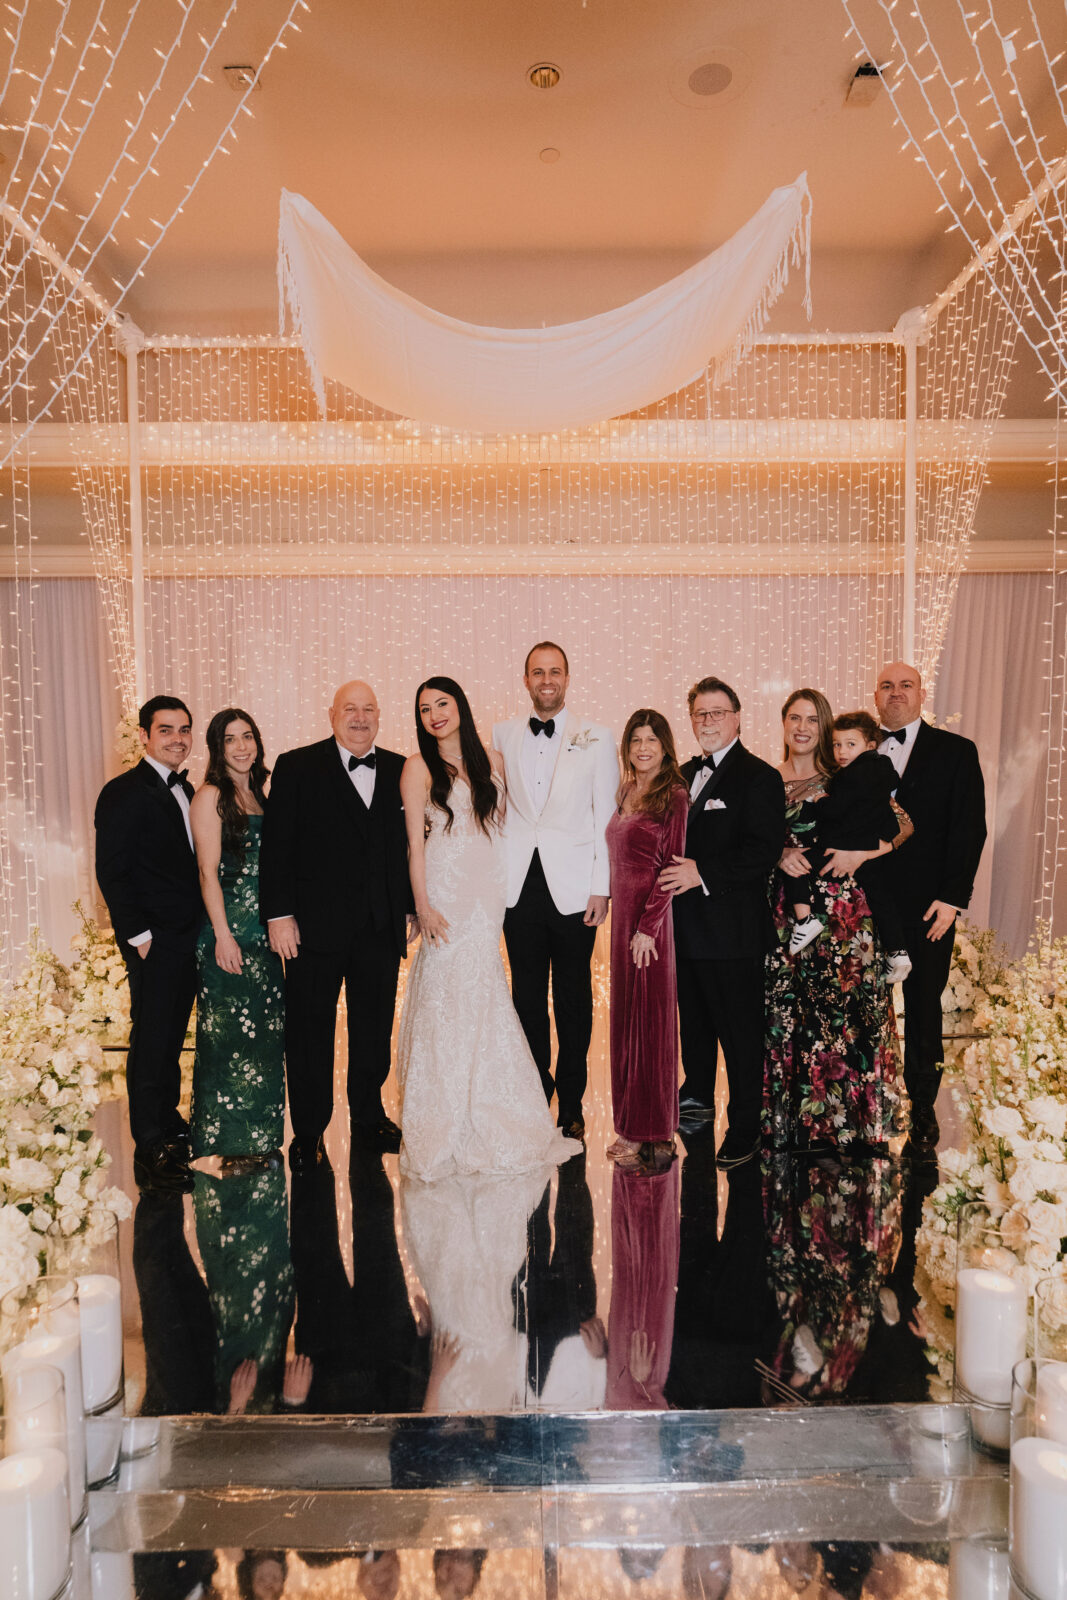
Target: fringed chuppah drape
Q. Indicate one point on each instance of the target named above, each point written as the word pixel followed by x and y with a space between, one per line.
pixel 361 332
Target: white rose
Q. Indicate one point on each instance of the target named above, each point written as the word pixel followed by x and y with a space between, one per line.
pixel 19 1263
pixel 1003 1121
pixel 1049 1115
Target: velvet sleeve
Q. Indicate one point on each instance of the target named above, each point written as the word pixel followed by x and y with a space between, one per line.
pixel 671 843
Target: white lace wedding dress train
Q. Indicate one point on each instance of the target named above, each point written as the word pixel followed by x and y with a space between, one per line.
pixel 470 1096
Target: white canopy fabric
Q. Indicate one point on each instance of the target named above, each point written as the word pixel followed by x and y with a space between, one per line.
pixel 361 332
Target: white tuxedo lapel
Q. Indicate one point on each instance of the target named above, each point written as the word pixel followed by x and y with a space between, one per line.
pixel 513 770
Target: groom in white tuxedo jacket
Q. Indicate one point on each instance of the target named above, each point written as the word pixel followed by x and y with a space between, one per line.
pixel 562 777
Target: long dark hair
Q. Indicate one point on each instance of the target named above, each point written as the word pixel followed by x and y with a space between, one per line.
pixel 234 817
pixel 485 797
pixel 824 749
pixel 658 798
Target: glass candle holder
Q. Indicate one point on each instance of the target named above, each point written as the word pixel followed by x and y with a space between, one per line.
pixel 40 1325
pixel 978 1569
pixel 992 1316
pixel 1037 1534
pixel 94 1261
pixel 1050 1316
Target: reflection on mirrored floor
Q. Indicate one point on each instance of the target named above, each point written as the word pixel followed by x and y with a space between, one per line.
pixel 344 1290
pixel 819 1570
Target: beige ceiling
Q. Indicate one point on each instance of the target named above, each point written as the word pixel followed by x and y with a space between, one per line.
pixel 411 125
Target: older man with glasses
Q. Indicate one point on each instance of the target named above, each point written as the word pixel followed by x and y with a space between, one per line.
pixel 722 917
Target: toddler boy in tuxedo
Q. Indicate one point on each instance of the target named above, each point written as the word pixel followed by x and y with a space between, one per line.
pixel 855 814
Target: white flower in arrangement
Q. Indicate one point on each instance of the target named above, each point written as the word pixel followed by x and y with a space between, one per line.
pixel 128 746
pixel 1013 1083
pixel 19 1262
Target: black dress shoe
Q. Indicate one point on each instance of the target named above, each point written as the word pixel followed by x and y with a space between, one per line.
pixel 572 1128
pixel 382 1134
pixel 156 1166
pixel 734 1152
pixel 309 1155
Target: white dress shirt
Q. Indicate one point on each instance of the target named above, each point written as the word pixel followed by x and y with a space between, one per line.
pixel 898 753
pixel 703 773
pixel 539 756
pixel 177 793
pixel 362 778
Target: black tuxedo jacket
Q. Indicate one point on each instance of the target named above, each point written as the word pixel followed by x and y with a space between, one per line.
pixel 326 859
pixel 943 792
pixel 144 866
pixel 736 845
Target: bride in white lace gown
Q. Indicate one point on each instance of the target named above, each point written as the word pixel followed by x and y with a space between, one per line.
pixel 470 1096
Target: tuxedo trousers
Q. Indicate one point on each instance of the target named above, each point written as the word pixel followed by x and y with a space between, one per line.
pixel 368 969
pixel 923 1026
pixel 162 991
pixel 542 942
pixel 722 1003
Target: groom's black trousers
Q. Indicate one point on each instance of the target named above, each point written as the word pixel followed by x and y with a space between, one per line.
pixel 368 969
pixel 542 941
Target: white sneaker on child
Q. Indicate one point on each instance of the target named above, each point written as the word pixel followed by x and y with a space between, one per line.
pixel 803 934
pixel 896 967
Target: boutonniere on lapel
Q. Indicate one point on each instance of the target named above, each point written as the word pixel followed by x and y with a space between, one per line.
pixel 714 805
pixel 582 739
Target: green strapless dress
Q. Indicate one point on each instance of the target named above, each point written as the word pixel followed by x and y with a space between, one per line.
pixel 239 1068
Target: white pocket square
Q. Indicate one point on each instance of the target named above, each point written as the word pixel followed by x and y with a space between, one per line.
pixel 714 805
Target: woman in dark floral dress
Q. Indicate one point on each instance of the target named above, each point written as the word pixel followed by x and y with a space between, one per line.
pixel 239 1067
pixel 832 1060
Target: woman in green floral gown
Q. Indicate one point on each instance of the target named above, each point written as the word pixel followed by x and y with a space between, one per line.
pixel 239 1067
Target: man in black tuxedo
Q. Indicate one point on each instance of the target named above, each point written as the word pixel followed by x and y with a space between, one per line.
pixel 146 868
pixel 722 916
pixel 335 896
pixel 942 790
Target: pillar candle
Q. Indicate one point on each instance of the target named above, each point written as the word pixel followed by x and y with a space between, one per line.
pixel 99 1300
pixel 978 1570
pixel 62 1350
pixel 34 1525
pixel 990 1332
pixel 1039 1517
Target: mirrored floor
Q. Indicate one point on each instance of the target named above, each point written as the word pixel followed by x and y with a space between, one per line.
pixel 348 1291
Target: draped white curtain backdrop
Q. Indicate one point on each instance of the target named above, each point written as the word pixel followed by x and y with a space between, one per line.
pixel 73 704
pixel 632 641
pixel 994 675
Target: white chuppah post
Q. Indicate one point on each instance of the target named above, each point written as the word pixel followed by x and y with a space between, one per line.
pixel 912 329
pixel 130 342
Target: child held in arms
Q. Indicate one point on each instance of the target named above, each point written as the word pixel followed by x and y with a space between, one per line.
pixel 857 813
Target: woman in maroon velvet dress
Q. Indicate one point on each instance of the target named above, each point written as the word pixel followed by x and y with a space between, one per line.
pixel 646 832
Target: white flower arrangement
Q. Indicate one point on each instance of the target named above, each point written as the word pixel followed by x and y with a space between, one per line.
pixel 582 739
pixel 53 1166
pixel 1013 1080
pixel 128 746
pixel 979 963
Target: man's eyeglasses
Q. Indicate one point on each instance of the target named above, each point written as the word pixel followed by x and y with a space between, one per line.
pixel 712 716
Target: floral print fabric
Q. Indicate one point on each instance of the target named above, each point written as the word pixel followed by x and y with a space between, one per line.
pixel 832 1061
pixel 239 1071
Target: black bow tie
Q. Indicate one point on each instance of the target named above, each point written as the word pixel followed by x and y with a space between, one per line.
pixel 547 728
pixel 708 763
pixel 361 761
pixel 177 779
pixel 900 734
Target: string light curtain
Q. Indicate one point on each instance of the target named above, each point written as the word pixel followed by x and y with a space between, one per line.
pixel 93 178
pixel 979 92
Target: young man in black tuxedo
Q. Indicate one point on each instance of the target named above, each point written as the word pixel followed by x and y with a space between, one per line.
pixel 942 790
pixel 335 896
pixel 722 916
pixel 146 868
